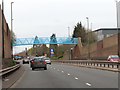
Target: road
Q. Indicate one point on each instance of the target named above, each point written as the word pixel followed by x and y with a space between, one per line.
pixel 66 76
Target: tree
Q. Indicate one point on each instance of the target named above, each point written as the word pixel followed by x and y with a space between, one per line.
pixel 92 37
pixel 53 39
pixel 53 44
pixel 80 31
pixel 13 41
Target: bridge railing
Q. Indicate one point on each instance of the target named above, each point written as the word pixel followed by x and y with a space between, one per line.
pixel 114 66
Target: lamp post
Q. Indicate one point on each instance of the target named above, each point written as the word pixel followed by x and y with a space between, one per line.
pixel 68 31
pixel 12 29
pixel 3 29
pixel 117 15
pixel 88 38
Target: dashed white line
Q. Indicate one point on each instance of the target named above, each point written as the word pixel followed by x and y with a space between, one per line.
pixel 6 80
pixel 88 84
pixel 62 71
pixel 76 78
pixel 54 68
pixel 68 74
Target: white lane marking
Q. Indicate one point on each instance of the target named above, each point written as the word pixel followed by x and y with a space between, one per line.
pixel 6 80
pixel 68 74
pixel 88 84
pixel 54 68
pixel 62 71
pixel 76 78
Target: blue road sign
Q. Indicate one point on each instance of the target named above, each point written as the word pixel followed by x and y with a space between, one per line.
pixel 51 50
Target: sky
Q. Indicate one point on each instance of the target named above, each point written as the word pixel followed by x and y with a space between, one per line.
pixel 42 18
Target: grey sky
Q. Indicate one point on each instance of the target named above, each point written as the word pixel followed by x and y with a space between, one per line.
pixel 44 17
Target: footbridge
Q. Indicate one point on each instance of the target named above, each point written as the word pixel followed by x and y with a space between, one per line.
pixel 45 40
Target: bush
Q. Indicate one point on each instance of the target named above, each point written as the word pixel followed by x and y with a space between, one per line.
pixel 12 63
pixel 54 58
pixel 60 57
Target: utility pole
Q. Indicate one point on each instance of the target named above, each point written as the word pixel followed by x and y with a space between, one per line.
pixel 3 55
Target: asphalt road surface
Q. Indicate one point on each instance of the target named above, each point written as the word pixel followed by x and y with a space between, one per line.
pixel 66 76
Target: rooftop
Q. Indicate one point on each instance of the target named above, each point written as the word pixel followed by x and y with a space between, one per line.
pixel 106 29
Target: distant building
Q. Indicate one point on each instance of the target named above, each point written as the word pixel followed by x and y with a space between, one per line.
pixel 105 32
pixel 118 6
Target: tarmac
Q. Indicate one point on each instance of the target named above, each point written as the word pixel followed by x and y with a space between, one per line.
pixel 11 79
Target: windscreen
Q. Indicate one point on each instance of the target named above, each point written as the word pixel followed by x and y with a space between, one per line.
pixel 38 59
pixel 115 57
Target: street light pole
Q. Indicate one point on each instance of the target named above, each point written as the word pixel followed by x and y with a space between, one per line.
pixel 3 29
pixel 118 28
pixel 12 29
pixel 68 31
pixel 88 38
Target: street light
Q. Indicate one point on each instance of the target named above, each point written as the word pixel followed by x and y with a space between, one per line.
pixel 11 17
pixel 117 15
pixel 68 31
pixel 88 37
pixel 3 29
pixel 117 12
pixel 12 28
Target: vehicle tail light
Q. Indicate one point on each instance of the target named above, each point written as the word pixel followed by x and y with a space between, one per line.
pixel 32 62
pixel 44 62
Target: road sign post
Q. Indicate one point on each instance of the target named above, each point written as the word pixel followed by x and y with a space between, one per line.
pixel 51 52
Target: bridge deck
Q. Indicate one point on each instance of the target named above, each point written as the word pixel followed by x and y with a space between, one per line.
pixel 45 40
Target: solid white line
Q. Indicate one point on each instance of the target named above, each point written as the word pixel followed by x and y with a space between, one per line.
pixel 19 80
pixel 76 78
pixel 88 84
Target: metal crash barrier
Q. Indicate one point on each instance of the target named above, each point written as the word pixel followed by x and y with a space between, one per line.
pixel 5 72
pixel 114 66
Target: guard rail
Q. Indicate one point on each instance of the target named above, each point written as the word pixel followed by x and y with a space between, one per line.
pixel 8 70
pixel 115 66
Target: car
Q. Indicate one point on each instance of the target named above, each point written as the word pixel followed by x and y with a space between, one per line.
pixel 17 57
pixel 113 58
pixel 25 61
pixel 38 62
pixel 48 61
pixel 28 58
